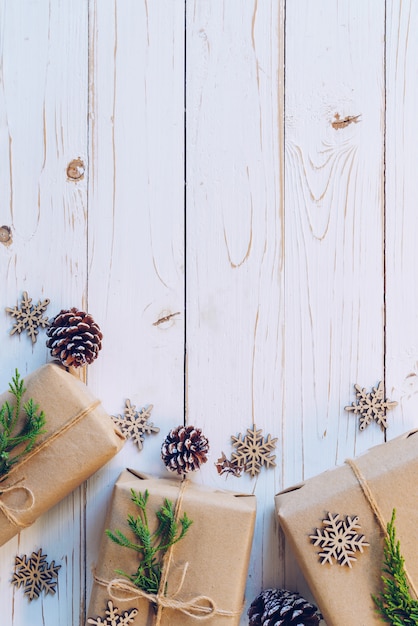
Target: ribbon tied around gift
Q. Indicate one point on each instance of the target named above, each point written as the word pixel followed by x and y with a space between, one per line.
pixel 9 511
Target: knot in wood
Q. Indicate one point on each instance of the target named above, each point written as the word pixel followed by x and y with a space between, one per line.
pixel 75 169
pixel 5 235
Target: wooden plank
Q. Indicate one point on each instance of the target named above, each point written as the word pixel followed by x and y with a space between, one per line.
pixel 43 127
pixel 235 213
pixel 334 246
pixel 136 227
pixel 334 271
pixel 401 215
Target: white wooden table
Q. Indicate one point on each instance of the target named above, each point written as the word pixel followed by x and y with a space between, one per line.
pixel 282 273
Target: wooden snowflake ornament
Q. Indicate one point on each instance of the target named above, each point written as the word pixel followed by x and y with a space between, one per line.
pixel 35 575
pixel 338 539
pixel 226 466
pixel 252 451
pixel 113 617
pixel 29 317
pixel 134 423
pixel 371 406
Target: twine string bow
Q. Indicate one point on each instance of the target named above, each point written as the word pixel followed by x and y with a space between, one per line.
pixel 199 607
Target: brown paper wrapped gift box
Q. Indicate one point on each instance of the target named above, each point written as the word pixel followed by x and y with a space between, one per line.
pixel 385 477
pixel 80 437
pixel 215 550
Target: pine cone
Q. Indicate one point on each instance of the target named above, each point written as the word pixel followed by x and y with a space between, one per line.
pixel 74 338
pixel 279 607
pixel 184 449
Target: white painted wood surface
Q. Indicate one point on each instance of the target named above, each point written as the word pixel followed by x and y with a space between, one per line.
pixel 285 266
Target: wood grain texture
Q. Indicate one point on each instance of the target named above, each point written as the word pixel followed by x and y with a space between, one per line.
pixel 334 272
pixel 234 253
pixel 43 121
pixel 136 227
pixel 334 225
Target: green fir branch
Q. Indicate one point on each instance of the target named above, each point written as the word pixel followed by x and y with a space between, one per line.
pixel 151 546
pixel 395 604
pixel 25 438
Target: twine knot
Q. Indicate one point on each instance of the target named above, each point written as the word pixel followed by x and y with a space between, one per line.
pixel 9 511
pixel 199 607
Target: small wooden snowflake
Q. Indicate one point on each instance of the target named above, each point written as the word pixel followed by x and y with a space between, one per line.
pixel 226 466
pixel 29 317
pixel 371 406
pixel 252 451
pixel 35 575
pixel 113 617
pixel 338 539
pixel 134 423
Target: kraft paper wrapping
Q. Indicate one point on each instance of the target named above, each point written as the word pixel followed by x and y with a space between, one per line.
pixel 389 475
pixel 80 438
pixel 213 555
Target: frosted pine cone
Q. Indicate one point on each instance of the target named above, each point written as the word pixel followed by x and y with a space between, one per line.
pixel 184 449
pixel 279 607
pixel 74 338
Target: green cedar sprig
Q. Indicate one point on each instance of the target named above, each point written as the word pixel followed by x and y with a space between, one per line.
pixel 32 427
pixel 395 604
pixel 151 546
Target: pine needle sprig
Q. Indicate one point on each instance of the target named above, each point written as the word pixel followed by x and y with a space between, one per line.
pixel 32 427
pixel 151 546
pixel 395 604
